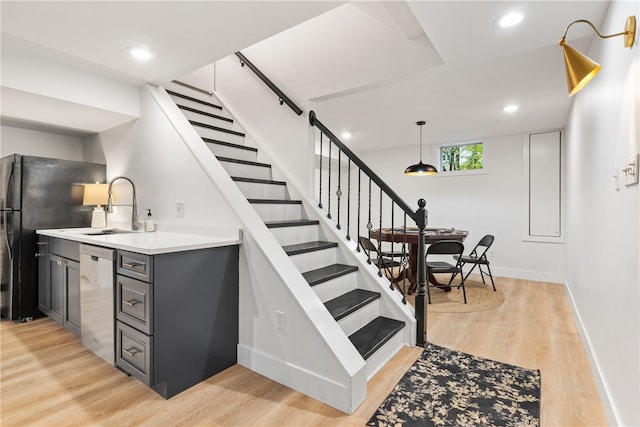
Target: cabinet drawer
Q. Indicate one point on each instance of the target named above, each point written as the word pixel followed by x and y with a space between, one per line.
pixel 65 248
pixel 135 265
pixel 134 352
pixel 134 303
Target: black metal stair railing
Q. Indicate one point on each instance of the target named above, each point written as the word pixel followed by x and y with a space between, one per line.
pixel 368 199
pixel 282 98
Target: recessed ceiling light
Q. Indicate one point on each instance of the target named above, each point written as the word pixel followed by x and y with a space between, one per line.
pixel 510 108
pixel 139 53
pixel 346 135
pixel 510 19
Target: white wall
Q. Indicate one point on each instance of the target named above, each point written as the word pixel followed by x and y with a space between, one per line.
pixel 278 131
pixel 602 255
pixel 38 143
pixel 150 152
pixel 489 203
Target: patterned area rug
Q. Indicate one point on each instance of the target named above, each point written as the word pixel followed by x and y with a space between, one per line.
pixel 450 388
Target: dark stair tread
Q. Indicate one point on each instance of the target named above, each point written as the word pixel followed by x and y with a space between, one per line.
pixel 321 275
pixel 368 339
pixel 291 223
pixel 275 201
pixel 190 98
pixel 257 180
pixel 243 162
pixel 230 144
pixel 350 302
pixel 302 248
pixel 204 113
pixel 218 128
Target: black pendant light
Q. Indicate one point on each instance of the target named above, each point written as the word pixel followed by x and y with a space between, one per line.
pixel 421 168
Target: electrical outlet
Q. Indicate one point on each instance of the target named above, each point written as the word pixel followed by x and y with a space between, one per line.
pixel 179 209
pixel 280 320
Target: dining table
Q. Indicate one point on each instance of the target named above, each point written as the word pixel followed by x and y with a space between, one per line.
pixel 410 236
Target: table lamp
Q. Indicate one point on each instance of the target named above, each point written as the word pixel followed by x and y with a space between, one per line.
pixel 96 194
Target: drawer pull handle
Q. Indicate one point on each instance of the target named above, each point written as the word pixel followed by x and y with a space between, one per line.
pixel 41 243
pixel 130 303
pixel 61 262
pixel 131 352
pixel 131 265
pixel 38 254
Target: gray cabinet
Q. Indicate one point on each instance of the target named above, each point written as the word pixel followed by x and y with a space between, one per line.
pixel 177 316
pixel 59 282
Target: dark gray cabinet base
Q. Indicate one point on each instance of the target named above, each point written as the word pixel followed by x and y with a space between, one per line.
pixel 193 317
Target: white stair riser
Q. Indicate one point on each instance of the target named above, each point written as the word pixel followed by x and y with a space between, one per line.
pixel 246 171
pixel 202 118
pixel 193 104
pixel 232 152
pixel 254 190
pixel 278 211
pixel 184 90
pixel 317 259
pixel 359 318
pixel 335 287
pixel 293 235
pixel 378 359
pixel 216 134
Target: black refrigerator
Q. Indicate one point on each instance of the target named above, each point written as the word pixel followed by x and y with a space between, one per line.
pixel 37 193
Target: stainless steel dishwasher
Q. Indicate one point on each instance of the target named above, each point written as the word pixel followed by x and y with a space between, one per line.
pixel 96 300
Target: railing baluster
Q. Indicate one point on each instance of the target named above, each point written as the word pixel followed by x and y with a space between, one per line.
pixel 380 240
pixel 359 193
pixel 369 223
pixel 329 184
pixel 405 260
pixel 392 244
pixel 339 190
pixel 348 199
pixel 320 179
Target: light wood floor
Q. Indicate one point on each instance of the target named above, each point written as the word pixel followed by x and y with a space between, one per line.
pixel 49 379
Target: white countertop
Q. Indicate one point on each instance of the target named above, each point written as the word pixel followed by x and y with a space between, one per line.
pixel 149 243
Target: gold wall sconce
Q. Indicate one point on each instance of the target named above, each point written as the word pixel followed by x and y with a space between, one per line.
pixel 580 68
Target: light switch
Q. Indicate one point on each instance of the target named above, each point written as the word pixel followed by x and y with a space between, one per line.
pixel 630 170
pixel 180 209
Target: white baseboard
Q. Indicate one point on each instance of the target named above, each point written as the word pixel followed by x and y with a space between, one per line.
pixel 538 276
pixel 321 388
pixel 610 413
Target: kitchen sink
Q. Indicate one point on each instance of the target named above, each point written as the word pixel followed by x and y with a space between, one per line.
pixel 108 231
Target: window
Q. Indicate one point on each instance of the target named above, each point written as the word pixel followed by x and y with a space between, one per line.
pixel 461 157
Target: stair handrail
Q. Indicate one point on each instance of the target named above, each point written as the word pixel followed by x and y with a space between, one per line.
pixel 282 97
pixel 419 217
pixel 313 121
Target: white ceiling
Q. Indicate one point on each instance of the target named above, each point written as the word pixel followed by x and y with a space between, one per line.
pixel 373 68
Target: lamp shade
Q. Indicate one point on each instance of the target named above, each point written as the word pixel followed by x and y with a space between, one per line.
pixel 580 69
pixel 95 194
pixel 421 169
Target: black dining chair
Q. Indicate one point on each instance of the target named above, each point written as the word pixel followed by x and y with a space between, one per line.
pixel 383 260
pixel 478 257
pixel 451 265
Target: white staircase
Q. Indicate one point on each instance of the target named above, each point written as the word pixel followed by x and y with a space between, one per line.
pixel 350 293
